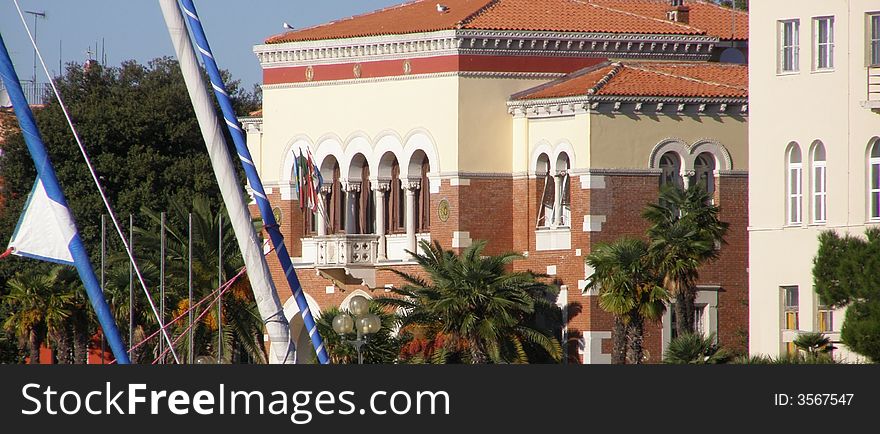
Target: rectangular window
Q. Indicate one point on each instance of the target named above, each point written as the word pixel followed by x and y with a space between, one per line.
pixel 823 35
pixel 795 194
pixel 819 192
pixel 789 47
pixel 790 307
pixel 825 319
pixel 874 39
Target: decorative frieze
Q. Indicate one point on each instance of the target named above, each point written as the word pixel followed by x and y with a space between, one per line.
pixel 486 42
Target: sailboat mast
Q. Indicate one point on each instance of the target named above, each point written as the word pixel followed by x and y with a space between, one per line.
pixel 253 177
pixel 268 302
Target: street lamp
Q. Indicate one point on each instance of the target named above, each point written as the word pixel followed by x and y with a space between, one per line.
pixel 364 323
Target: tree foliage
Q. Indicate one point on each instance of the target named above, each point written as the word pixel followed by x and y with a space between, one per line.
pixel 684 234
pixel 630 290
pixel 472 309
pixel 138 125
pixel 846 273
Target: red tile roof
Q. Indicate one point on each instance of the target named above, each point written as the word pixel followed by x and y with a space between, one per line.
pixel 723 22
pixel 649 79
pixel 603 16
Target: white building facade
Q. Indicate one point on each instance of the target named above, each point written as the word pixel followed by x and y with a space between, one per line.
pixel 814 155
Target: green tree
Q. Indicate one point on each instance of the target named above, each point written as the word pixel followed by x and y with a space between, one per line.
pixel 476 309
pixel 684 234
pixel 814 344
pixel 695 349
pixel 629 290
pixel 846 273
pixel 40 302
pixel 139 128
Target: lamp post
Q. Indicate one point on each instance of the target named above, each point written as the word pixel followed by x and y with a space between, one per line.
pixel 364 323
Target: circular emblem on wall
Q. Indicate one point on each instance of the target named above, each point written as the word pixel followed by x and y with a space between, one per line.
pixel 407 67
pixel 310 73
pixel 357 70
pixel 277 213
pixel 443 210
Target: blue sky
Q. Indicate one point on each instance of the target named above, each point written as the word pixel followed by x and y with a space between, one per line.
pixel 135 29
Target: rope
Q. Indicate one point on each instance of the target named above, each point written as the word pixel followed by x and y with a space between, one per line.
pixel 95 178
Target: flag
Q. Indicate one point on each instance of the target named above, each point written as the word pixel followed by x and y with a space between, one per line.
pixel 45 229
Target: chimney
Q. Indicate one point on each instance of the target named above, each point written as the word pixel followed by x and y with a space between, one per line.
pixel 678 12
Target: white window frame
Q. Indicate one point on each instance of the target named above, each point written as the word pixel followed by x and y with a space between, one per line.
pixel 873 192
pixel 794 197
pixel 873 36
pixel 789 53
pixel 820 178
pixel 826 47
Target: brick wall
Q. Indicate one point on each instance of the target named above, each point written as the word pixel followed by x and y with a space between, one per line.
pixel 504 211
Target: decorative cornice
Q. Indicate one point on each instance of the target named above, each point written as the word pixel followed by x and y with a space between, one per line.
pixel 486 42
pixel 567 106
pixel 252 124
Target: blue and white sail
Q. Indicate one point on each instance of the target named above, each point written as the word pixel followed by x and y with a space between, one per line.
pixel 47 230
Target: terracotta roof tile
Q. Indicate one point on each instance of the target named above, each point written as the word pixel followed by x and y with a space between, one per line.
pixel 603 16
pixel 716 20
pixel 650 79
pixel 413 17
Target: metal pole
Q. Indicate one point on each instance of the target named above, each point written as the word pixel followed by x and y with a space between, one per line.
pixel 103 255
pixel 162 284
pixel 219 284
pixel 189 268
pixel 130 285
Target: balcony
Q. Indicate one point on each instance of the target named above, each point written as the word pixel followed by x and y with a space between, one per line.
pixel 873 82
pixel 345 251
pixel 341 250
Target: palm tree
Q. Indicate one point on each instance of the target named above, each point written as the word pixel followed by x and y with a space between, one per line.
pixel 629 290
pixel 40 306
pixel 814 345
pixel 685 233
pixel 695 349
pixel 482 312
pixel 26 319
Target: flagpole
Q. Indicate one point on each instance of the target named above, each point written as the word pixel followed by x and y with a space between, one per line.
pixel 46 174
pixel 253 177
pixel 268 302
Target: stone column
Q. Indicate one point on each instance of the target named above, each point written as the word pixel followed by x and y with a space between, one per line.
pixel 411 189
pixel 351 188
pixel 323 213
pixel 380 188
pixel 557 199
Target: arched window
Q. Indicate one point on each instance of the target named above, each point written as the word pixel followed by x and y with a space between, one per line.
pixel 874 182
pixel 670 165
pixel 794 185
pixel 818 185
pixel 704 172
pixel 548 192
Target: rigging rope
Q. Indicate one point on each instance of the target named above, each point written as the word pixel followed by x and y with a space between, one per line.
pixel 97 182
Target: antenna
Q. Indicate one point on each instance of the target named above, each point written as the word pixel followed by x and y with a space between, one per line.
pixel 41 14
